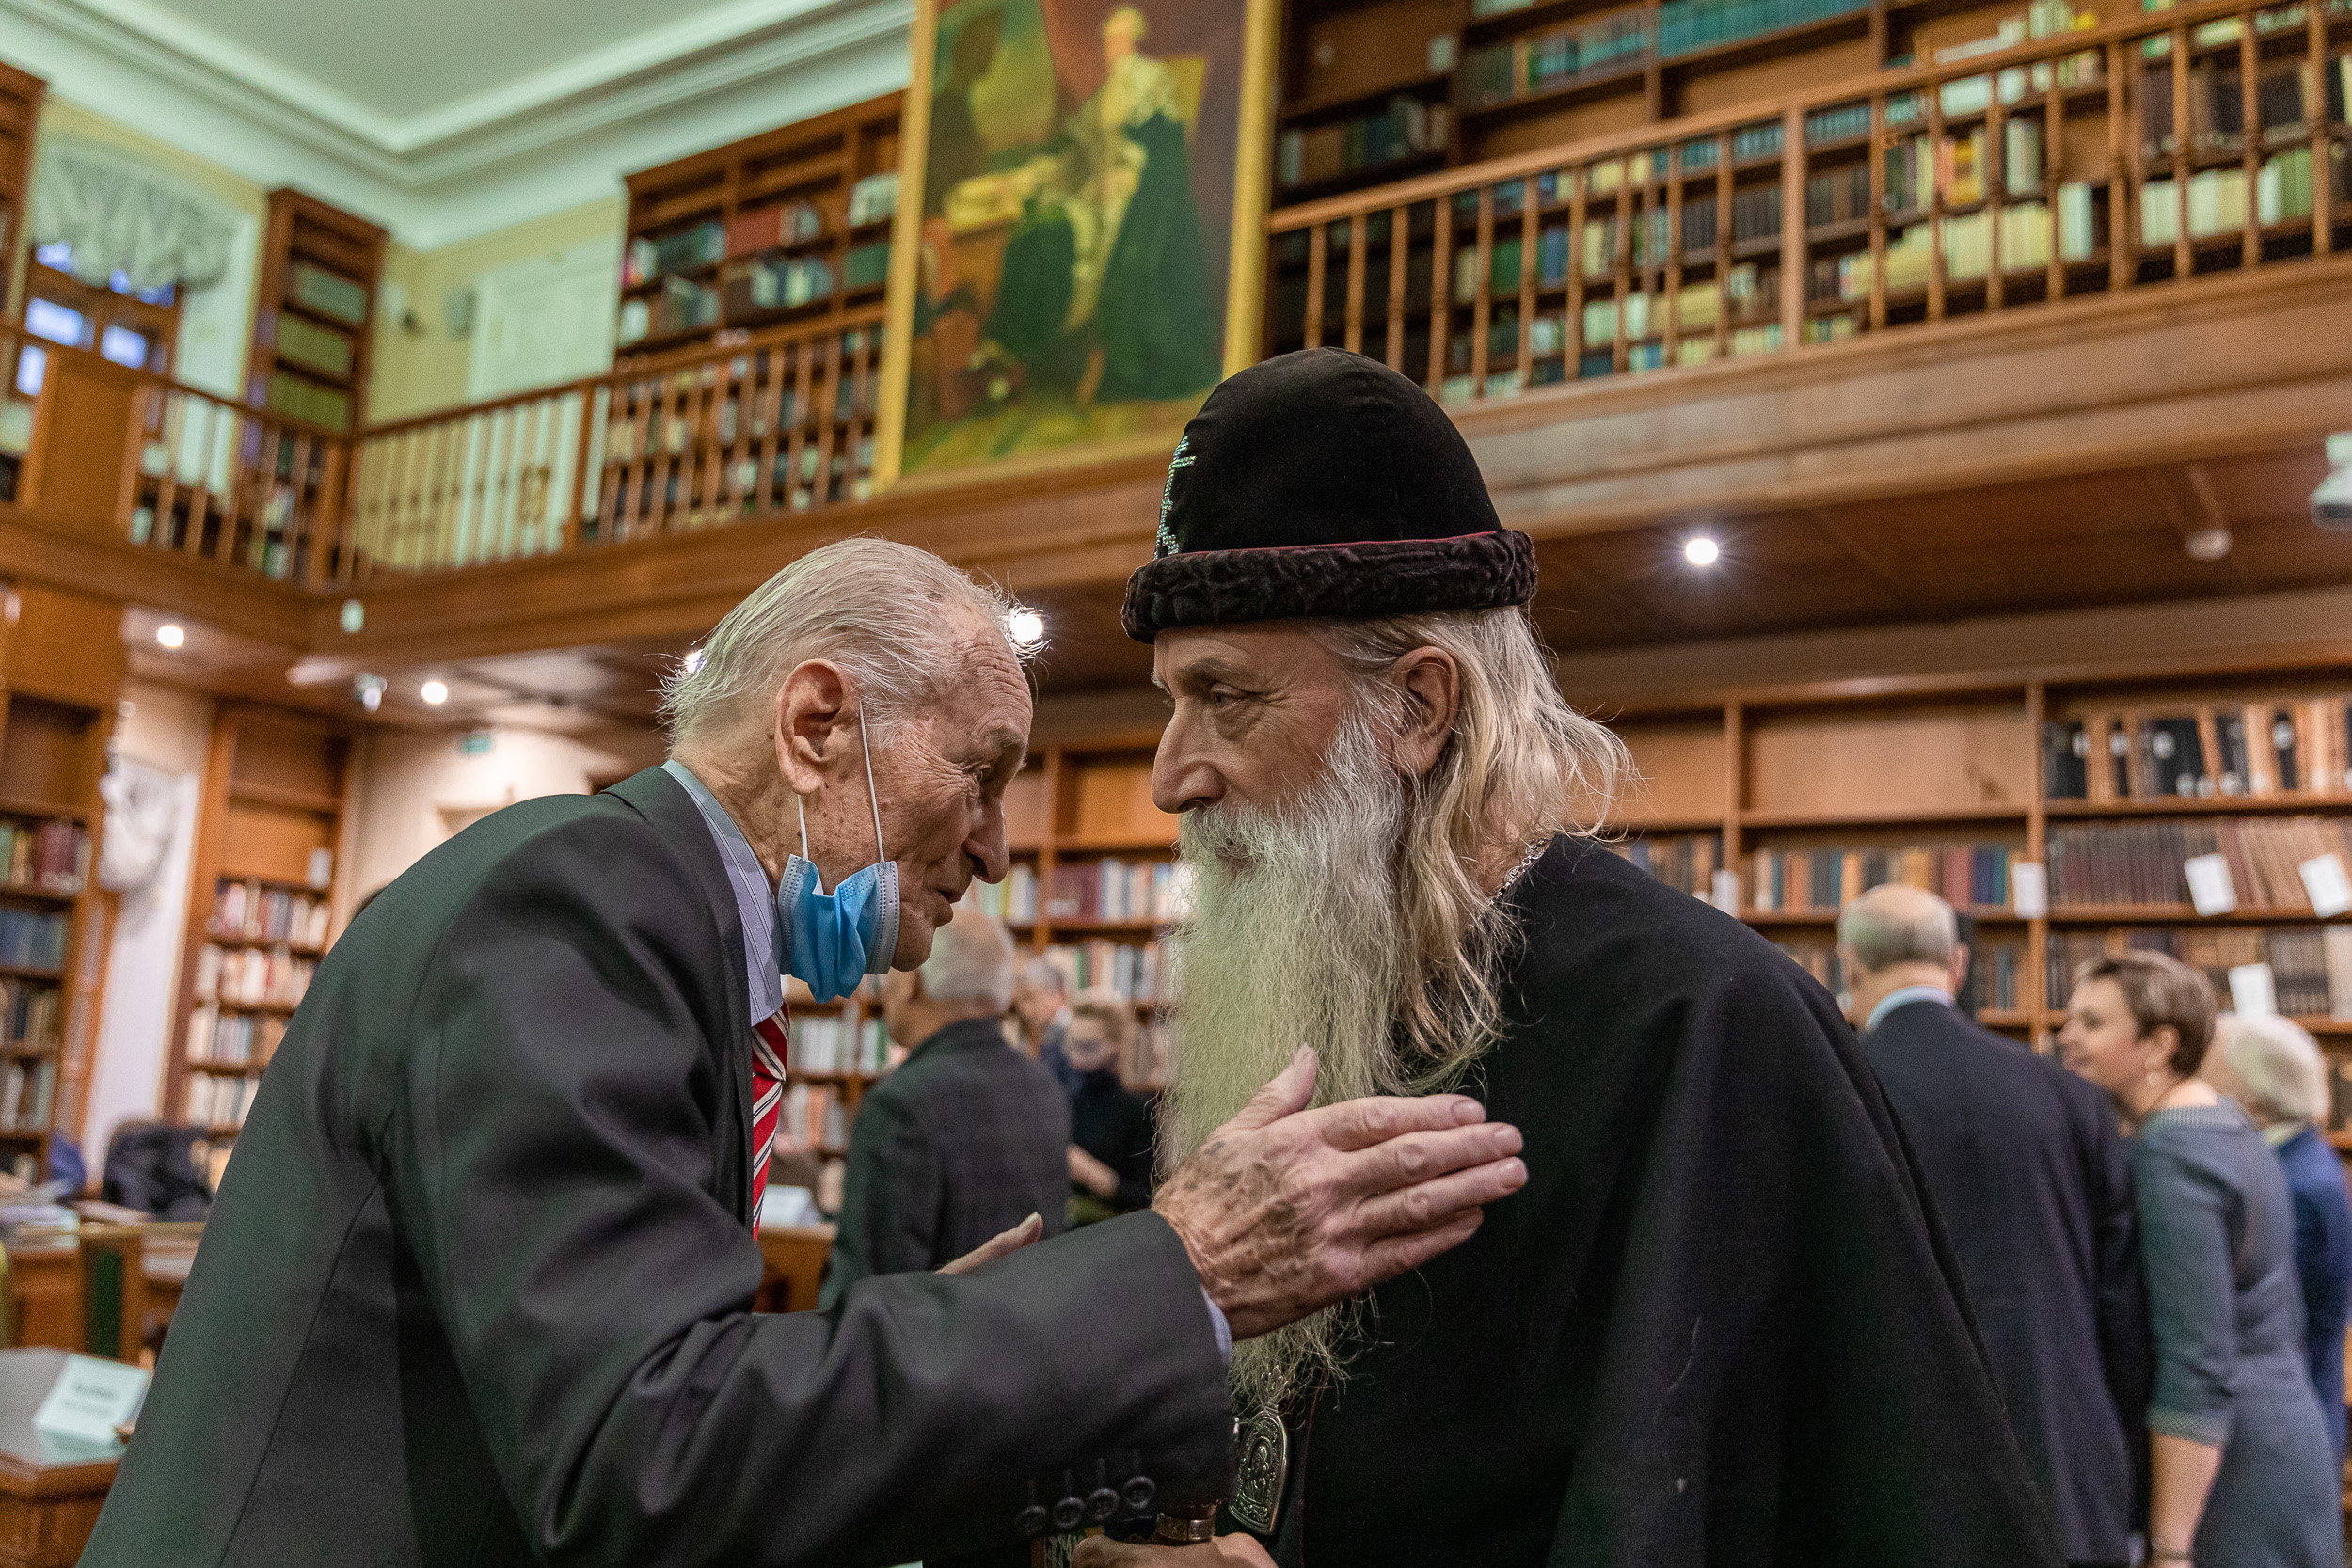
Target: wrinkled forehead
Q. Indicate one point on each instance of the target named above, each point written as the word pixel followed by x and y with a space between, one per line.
pixel 1254 655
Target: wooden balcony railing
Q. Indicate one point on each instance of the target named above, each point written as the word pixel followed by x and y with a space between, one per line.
pixel 780 422
pixel 2189 141
pixel 212 479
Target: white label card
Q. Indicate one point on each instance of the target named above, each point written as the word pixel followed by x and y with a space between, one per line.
pixel 2209 885
pixel 2252 993
pixel 2323 879
pixel 2029 890
pixel 1726 892
pixel 91 1398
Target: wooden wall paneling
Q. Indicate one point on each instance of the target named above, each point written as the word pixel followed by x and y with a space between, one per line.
pixel 1683 764
pixel 20 95
pixel 1110 804
pixel 1902 762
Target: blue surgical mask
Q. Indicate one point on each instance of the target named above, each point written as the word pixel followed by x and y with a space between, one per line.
pixel 832 940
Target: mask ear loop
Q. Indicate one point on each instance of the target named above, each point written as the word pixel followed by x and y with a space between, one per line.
pixel 871 799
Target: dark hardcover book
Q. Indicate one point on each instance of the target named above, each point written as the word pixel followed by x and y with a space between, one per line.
pixel 2065 760
pixel 2230 734
pixel 2288 768
pixel 2119 757
pixel 2176 757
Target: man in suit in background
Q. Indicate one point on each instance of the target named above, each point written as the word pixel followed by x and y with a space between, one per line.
pixel 478 1287
pixel 967 1139
pixel 2025 1166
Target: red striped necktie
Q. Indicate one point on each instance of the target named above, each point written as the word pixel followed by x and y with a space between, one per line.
pixel 770 1048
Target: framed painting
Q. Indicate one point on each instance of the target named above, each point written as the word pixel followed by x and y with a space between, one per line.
pixel 1080 229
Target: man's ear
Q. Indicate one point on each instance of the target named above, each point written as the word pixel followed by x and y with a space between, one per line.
pixel 1960 966
pixel 1432 689
pixel 812 713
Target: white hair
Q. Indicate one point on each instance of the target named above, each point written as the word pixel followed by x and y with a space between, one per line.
pixel 1894 923
pixel 1045 975
pixel 884 611
pixel 971 962
pixel 2279 1062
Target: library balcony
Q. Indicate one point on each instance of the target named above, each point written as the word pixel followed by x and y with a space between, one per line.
pixel 2101 271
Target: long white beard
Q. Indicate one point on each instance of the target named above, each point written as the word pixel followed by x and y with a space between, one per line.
pixel 1295 938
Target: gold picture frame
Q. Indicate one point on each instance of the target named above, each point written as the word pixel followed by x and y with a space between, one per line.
pixel 1023 212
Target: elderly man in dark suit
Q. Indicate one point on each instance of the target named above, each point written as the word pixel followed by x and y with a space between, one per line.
pixel 967 1139
pixel 2025 1166
pixel 478 1287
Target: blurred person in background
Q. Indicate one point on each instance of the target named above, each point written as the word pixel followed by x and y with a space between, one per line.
pixel 1040 1010
pixel 966 1138
pixel 2242 1469
pixel 1110 1125
pixel 2273 1068
pixel 2034 1186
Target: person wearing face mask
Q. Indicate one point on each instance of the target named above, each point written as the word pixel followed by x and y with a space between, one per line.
pixel 478 1286
pixel 2242 1471
pixel 1110 1125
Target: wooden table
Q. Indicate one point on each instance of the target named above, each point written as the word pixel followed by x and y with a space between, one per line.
pixel 45 1287
pixel 49 1495
pixel 796 1266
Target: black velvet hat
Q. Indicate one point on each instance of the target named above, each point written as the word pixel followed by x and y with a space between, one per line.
pixel 1324 485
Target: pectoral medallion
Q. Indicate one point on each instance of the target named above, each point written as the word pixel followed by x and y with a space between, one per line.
pixel 1262 1461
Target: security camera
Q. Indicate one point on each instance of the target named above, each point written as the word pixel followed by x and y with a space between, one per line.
pixel 2331 503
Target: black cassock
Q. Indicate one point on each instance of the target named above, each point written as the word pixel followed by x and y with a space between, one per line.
pixel 1715 1327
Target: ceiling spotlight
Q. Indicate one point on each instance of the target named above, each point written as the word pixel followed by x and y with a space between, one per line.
pixel 170 636
pixel 1027 629
pixel 369 690
pixel 433 693
pixel 2207 543
pixel 1699 551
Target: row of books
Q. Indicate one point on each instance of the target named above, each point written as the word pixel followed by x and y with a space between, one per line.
pixel 812 1117
pixel 214 1101
pixel 31 939
pixel 297 398
pixel 1686 27
pixel 2269 862
pixel 53 855
pixel 316 288
pixel 1405 128
pixel 2286 91
pixel 2311 966
pixel 26 1090
pixel 1996 970
pixel 28 1015
pixel 233 1037
pixel 1110 889
pixel 254 910
pixel 2215 199
pixel 1502 72
pixel 1684 860
pixel 1965 243
pixel 314 348
pixel 2280 747
pixel 1134 972
pixel 1012 900
pixel 251 976
pixel 838 1044
pixel 1966 876
pixel 872 199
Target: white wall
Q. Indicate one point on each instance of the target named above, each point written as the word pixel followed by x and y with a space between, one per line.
pixel 413 791
pixel 166 730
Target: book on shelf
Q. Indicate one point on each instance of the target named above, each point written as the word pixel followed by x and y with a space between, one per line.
pixel 2311 966
pixel 2065 760
pixel 1134 972
pixel 299 399
pixel 1403 129
pixel 27 1089
pixel 52 856
pixel 874 198
pixel 747 233
pixel 1117 890
pixel 314 348
pixel 28 1015
pixel 1012 900
pixel 2282 746
pixel 250 910
pixel 698 245
pixel 1802 881
pixel 32 939
pixel 826 1043
pixel 230 1038
pixel 330 293
pixel 251 976
pixel 814 1117
pixel 1686 862
pixel 2109 864
pixel 216 1100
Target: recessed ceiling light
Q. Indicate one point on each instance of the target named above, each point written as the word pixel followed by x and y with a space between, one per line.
pixel 433 693
pixel 170 636
pixel 1027 629
pixel 1699 551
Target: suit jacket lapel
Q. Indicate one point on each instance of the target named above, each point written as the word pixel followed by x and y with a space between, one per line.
pixel 661 802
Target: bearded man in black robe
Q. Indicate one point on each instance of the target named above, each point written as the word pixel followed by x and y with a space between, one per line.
pixel 1718 1327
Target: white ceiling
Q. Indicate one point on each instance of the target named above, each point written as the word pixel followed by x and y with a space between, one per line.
pixel 442 119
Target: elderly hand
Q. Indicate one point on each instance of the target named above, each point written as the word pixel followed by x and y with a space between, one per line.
pixel 997 1246
pixel 1101 1551
pixel 1286 1210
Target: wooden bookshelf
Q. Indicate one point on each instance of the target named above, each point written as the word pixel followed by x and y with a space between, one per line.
pixel 21 93
pixel 320 270
pixel 60 676
pixel 774 228
pixel 1795 775
pixel 262 907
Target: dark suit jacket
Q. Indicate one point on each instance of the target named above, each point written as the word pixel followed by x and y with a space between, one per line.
pixel 968 1138
pixel 477 1288
pixel 1113 1123
pixel 2025 1166
pixel 2322 1261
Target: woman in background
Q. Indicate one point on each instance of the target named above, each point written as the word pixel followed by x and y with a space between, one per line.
pixel 2241 1471
pixel 1110 1125
pixel 2275 1072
